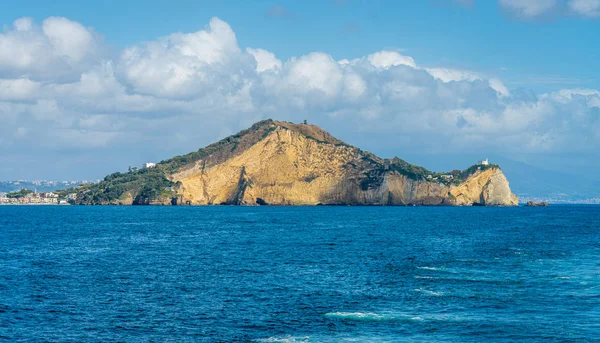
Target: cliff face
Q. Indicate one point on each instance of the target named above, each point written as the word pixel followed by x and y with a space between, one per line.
pixel 282 163
pixel 303 165
pixel 489 187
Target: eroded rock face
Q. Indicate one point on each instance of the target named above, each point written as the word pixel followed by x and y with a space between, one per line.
pixel 489 187
pixel 292 167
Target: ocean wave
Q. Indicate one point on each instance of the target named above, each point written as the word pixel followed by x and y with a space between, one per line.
pixel 366 316
pixel 454 270
pixel 430 293
pixel 436 269
pixel 286 339
pixel 400 317
pixel 440 269
pixel 371 316
pixel 329 339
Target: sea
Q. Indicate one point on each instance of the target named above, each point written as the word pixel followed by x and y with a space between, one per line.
pixel 299 274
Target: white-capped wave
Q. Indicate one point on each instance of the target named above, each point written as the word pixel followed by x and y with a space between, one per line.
pixel 454 270
pixel 431 268
pixel 367 316
pixel 430 293
pixel 398 316
pixel 286 339
pixel 371 316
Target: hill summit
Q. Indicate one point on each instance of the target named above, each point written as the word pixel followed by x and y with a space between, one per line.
pixel 282 163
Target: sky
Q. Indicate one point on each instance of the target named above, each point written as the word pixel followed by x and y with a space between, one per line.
pixel 90 88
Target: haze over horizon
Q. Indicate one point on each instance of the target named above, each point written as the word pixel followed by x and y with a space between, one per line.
pixel 88 90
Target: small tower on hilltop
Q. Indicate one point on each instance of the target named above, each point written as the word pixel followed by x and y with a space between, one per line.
pixel 305 122
pixel 483 163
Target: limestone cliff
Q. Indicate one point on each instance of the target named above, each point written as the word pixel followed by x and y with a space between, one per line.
pixel 281 163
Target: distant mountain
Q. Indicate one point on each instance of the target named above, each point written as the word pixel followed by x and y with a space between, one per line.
pixel 283 163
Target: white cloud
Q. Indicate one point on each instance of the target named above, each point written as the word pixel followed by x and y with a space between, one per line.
pixel 585 8
pixel 499 87
pixel 184 65
pixel 265 60
pixel 447 74
pixel 386 59
pixel 69 39
pixel 185 90
pixel 58 50
pixel 18 89
pixel 314 72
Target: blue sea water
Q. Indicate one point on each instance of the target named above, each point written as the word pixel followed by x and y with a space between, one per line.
pixel 300 274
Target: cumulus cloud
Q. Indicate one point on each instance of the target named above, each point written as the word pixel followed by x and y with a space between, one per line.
pixel 387 59
pixel 448 74
pixel 180 92
pixel 58 49
pixel 265 60
pixel 184 65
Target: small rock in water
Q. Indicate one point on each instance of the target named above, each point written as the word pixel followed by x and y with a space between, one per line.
pixel 537 204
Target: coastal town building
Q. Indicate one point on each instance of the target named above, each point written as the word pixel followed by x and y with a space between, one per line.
pixel 149 165
pixel 484 162
pixel 48 195
pixel 46 198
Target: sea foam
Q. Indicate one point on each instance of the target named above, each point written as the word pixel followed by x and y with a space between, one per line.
pixel 370 316
pixel 286 339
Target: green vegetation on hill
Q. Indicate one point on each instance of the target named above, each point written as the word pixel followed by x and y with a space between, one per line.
pixel 223 149
pixel 411 171
pixel 20 194
pixel 463 175
pixel 146 183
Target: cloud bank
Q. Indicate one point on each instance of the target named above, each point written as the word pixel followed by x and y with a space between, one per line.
pixel 60 92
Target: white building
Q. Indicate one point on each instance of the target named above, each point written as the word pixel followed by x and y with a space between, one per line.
pixel 484 162
pixel 49 195
pixel 149 165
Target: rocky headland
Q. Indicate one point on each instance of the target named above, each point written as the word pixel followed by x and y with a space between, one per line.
pixel 282 163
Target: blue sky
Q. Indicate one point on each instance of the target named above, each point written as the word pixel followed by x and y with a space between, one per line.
pixel 89 88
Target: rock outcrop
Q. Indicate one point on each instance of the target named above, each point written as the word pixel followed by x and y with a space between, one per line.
pixel 537 204
pixel 280 163
pixel 489 187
